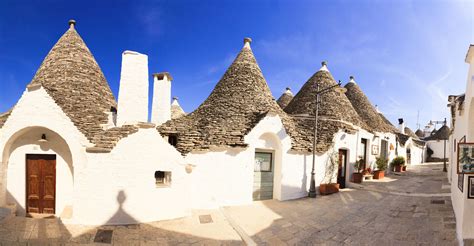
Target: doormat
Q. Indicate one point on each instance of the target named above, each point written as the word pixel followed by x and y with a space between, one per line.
pixel 205 219
pixel 103 236
pixel 437 201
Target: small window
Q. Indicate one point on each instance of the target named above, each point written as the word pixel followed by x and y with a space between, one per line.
pixel 173 140
pixel 162 179
pixel 455 145
pixel 263 162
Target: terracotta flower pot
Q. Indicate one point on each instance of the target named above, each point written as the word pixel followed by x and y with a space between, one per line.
pixel 404 168
pixel 398 168
pixel 379 174
pixel 326 189
pixel 357 177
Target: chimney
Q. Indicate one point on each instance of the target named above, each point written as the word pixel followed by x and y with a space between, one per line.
pixel 161 109
pixel 133 91
pixel 401 126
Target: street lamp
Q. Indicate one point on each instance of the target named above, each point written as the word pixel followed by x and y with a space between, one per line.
pixel 339 89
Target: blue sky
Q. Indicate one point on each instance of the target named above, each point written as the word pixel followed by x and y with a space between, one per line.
pixel 407 56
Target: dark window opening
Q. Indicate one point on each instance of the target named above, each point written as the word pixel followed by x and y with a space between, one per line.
pixel 173 140
pixel 162 178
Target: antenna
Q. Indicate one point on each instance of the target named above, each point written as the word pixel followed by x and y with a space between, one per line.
pixel 418 119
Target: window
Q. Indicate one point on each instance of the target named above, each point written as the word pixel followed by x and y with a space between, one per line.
pixel 162 179
pixel 263 162
pixel 173 140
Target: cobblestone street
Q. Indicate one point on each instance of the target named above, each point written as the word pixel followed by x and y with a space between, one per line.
pixel 411 209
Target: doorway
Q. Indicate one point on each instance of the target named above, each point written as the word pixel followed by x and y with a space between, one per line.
pixel 263 176
pixel 341 170
pixel 408 156
pixel 384 149
pixel 363 149
pixel 40 184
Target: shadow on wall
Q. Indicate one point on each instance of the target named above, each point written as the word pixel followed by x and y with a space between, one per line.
pixel 121 216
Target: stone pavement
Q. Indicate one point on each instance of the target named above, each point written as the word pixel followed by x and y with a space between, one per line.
pixel 350 217
pixel 359 216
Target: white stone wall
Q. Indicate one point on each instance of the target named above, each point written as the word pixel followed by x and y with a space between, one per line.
pixel 438 148
pixel 119 187
pixel 133 91
pixel 161 108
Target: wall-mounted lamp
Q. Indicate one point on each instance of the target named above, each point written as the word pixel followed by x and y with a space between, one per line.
pixel 43 139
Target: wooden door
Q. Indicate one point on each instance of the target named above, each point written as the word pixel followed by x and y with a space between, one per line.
pixel 263 176
pixel 363 150
pixel 41 184
pixel 384 149
pixel 341 170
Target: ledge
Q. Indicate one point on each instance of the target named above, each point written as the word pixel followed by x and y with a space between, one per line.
pixel 97 150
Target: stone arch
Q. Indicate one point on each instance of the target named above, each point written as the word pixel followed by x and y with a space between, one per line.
pixel 15 149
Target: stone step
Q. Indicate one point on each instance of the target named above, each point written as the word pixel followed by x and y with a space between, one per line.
pixel 7 212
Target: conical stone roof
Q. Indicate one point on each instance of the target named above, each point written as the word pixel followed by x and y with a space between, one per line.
pixel 334 105
pixel 72 77
pixel 419 133
pixel 285 98
pixel 441 134
pixel 410 133
pixel 4 117
pixel 367 112
pixel 176 110
pixel 238 102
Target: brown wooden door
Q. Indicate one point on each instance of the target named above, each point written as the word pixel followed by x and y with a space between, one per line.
pixel 341 170
pixel 40 184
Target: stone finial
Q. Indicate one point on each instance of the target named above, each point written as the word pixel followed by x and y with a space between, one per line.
pixel 247 42
pixel 72 23
pixel 351 79
pixel 288 88
pixel 175 98
pixel 324 66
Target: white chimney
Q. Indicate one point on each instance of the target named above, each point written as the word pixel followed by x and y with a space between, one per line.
pixel 401 125
pixel 133 91
pixel 161 109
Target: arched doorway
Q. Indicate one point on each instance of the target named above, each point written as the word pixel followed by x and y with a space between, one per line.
pixel 38 172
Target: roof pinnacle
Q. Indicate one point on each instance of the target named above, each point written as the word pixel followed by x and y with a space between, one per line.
pixel 72 23
pixel 247 42
pixel 324 66
pixel 351 79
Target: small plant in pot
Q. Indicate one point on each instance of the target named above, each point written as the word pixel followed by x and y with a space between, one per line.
pixel 327 186
pixel 398 162
pixel 381 167
pixel 357 176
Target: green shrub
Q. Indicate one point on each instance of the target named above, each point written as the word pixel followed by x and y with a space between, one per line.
pixel 381 163
pixel 359 165
pixel 398 161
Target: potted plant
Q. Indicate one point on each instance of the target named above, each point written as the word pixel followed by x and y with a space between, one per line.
pixel 328 186
pixel 398 163
pixel 326 189
pixel 357 176
pixel 381 167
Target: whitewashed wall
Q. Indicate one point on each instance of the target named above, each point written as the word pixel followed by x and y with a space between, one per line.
pixel 438 148
pixel 119 187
